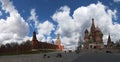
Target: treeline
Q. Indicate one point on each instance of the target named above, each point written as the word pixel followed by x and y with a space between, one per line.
pixel 15 47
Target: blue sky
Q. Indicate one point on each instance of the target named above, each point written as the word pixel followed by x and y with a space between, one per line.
pixel 47 17
pixel 46 8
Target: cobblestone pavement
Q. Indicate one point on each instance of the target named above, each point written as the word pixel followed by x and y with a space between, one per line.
pixel 98 57
pixel 66 57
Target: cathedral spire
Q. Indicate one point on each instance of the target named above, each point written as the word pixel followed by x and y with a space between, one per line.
pixel 86 31
pixel 86 34
pixel 109 39
pixel 92 33
pixel 93 25
pixel 110 44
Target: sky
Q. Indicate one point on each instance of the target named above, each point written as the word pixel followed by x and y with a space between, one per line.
pixel 69 18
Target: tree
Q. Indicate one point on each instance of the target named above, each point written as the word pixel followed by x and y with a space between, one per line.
pixel 14 44
pixel 8 45
pixel 2 46
pixel 28 43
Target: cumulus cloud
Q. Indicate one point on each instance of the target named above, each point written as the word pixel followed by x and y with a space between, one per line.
pixel 44 29
pixel 14 28
pixel 33 17
pixel 116 0
pixel 70 27
pixel 27 38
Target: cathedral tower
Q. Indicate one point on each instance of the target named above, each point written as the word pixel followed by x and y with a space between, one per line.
pixel 94 39
pixel 92 33
pixel 86 37
pixel 109 39
pixel 109 42
pixel 98 35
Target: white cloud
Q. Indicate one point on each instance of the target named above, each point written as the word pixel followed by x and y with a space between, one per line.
pixel 27 38
pixel 70 26
pixel 33 17
pixel 43 29
pixel 116 0
pixel 14 28
pixel 0 13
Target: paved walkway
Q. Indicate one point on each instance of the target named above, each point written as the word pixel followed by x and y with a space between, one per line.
pixel 68 57
pixel 98 57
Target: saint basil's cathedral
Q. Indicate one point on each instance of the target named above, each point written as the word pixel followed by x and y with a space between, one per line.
pixel 94 38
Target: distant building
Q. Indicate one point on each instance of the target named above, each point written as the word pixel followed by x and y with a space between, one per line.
pixel 94 39
pixel 44 45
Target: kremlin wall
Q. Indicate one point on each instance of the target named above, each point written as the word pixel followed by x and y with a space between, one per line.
pixel 28 46
pixel 38 45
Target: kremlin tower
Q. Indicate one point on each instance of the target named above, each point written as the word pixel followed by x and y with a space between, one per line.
pixel 38 45
pixel 34 41
pixel 58 42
